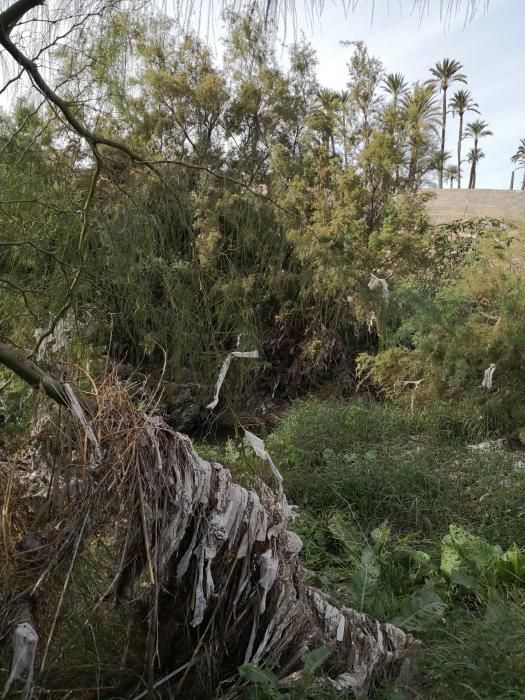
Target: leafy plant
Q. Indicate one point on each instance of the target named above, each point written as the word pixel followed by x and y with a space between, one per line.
pixel 265 685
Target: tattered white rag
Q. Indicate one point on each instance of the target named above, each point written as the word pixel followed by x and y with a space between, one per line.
pixel 260 450
pixel 487 377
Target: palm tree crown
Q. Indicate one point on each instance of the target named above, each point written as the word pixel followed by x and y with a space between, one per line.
pixel 519 156
pixel 446 72
pixel 474 156
pixel 461 103
pixel 476 130
pixel 395 84
pixel 519 159
pixel 451 174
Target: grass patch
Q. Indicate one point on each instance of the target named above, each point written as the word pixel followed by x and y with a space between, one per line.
pixel 381 462
pixel 379 488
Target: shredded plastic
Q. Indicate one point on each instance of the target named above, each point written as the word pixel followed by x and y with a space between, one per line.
pixel 252 355
pixel 260 450
pixel 79 413
pixel 488 377
pixel 376 282
pixel 25 640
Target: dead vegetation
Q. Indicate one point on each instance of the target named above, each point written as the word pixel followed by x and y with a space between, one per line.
pixel 207 569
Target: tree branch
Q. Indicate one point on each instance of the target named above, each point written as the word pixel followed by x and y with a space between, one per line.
pixel 32 374
pixel 13 14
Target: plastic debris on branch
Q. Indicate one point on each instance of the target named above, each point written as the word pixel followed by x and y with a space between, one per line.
pixel 488 377
pixel 251 355
pixel 260 450
pixel 376 282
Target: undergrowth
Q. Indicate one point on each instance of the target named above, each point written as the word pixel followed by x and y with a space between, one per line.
pixel 405 517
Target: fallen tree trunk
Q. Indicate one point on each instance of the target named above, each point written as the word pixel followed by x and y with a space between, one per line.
pixel 222 566
pixel 31 373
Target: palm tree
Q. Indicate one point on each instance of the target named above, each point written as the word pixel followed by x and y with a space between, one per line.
pixel 476 130
pixel 445 72
pixel 438 161
pixel 461 103
pixel 451 174
pixel 473 157
pixel 344 96
pixel 324 117
pixel 419 114
pixel 396 86
pixel 519 159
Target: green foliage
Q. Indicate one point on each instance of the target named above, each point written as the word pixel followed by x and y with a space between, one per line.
pixel 391 578
pixel 476 655
pixel 385 462
pixel 420 611
pixel 289 197
pixel 446 583
pixel 265 685
pixel 451 333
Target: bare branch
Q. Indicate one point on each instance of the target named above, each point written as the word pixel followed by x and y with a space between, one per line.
pixel 14 14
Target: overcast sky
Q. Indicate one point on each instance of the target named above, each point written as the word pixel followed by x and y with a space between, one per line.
pixel 491 48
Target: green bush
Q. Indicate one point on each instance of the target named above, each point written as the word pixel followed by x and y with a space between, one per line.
pixel 450 335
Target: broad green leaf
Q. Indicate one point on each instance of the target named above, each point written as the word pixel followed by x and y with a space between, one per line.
pixel 450 557
pixel 365 580
pixel 263 679
pixel 315 659
pixel 512 566
pixel 420 611
pixel 346 535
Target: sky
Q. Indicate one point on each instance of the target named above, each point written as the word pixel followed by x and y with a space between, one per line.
pixel 491 48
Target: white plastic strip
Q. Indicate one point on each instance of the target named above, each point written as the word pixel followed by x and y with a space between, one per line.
pixel 376 282
pixel 79 413
pixel 488 377
pixel 25 640
pixel 251 355
pixel 260 450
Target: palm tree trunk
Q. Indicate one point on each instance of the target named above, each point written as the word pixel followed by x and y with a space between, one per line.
pixel 460 138
pixel 523 182
pixel 472 182
pixel 345 155
pixel 412 168
pixel 443 128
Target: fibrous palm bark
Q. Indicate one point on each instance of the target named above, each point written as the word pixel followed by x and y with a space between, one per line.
pixel 220 558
